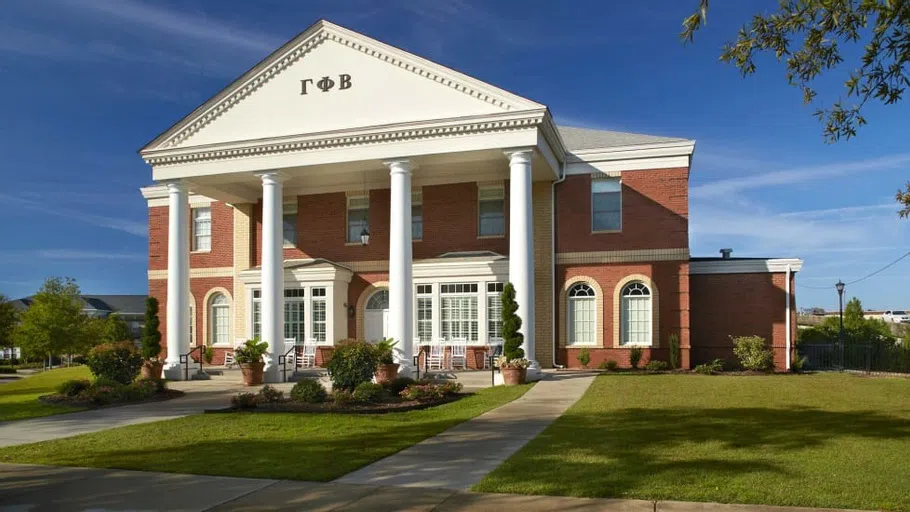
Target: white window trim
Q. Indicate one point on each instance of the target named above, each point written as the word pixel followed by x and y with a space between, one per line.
pixel 285 210
pixel 193 211
pixel 622 310
pixel 417 200
pixel 212 320
pixel 570 322
pixel 308 300
pixel 591 198
pixel 347 216
pixel 502 190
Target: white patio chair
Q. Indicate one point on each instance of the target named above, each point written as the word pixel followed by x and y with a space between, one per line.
pixel 437 357
pixel 308 359
pixel 459 355
pixel 229 359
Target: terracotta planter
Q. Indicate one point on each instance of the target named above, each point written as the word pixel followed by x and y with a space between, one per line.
pixel 386 373
pixel 151 370
pixel 513 376
pixel 252 373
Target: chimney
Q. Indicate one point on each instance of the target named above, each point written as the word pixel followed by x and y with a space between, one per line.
pixel 725 253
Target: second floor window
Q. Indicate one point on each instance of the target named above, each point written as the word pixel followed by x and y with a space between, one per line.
pixel 491 211
pixel 606 204
pixel 417 215
pixel 358 217
pixel 202 229
pixel 289 224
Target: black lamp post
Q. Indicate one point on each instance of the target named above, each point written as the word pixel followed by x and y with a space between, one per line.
pixel 840 308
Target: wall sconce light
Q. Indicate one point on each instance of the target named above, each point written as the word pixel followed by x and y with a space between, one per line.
pixel 351 310
pixel 364 237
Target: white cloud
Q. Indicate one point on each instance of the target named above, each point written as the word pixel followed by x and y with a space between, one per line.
pixel 133 227
pixel 80 255
pixel 843 211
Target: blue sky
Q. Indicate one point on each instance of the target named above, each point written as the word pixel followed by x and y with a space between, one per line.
pixel 85 83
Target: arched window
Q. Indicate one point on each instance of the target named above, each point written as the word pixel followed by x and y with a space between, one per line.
pixel 379 300
pixel 219 313
pixel 582 317
pixel 635 315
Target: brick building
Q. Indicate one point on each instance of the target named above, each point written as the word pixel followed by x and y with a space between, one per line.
pixel 344 188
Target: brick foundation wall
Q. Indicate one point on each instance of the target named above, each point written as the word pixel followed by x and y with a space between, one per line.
pixel 725 305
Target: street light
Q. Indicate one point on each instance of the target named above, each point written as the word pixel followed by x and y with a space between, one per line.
pixel 840 299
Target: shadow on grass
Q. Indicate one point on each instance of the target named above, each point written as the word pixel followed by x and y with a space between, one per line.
pixel 677 453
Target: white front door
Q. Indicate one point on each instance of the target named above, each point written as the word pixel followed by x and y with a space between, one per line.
pixel 376 316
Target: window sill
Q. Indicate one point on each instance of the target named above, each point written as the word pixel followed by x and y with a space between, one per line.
pixel 352 244
pixel 201 252
pixel 606 231
pixel 583 345
pixel 289 246
pixel 221 345
pixel 490 237
pixel 636 345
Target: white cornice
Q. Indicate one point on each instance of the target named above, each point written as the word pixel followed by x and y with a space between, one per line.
pixel 733 266
pixel 298 47
pixel 631 158
pixel 156 195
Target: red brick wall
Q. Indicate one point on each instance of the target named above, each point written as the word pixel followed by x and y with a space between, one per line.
pixel 725 305
pixel 653 201
pixel 671 280
pixel 199 287
pixel 359 283
pixel 449 224
pixel 222 253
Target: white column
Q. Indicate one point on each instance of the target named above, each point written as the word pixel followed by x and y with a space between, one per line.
pixel 521 246
pixel 178 279
pixel 272 273
pixel 401 282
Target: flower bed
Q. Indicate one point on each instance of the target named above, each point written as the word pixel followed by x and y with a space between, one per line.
pixel 83 393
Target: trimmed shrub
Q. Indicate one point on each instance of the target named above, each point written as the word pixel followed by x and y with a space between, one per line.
pixel 368 392
pixel 675 353
pixel 715 366
pixel 429 392
pixel 244 401
pixel 584 357
pixel 635 357
pixel 352 363
pixel 399 384
pixel 609 365
pixel 73 387
pixel 104 392
pixel 753 353
pixel 151 334
pixel 7 370
pixel 140 390
pixel 309 391
pixel 269 395
pixel 342 397
pixel 511 323
pixel 119 361
pixel 657 366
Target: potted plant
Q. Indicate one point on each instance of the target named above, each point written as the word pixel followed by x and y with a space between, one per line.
pixel 386 367
pixel 151 341
pixel 249 357
pixel 512 363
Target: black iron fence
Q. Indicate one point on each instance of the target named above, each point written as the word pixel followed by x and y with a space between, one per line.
pixel 872 357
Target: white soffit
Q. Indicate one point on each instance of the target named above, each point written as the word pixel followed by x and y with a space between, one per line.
pixel 734 266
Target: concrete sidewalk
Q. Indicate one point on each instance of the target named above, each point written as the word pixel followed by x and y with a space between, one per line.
pixel 461 456
pixel 198 398
pixel 37 488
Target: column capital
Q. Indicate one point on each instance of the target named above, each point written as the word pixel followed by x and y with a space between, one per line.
pixel 176 186
pixel 271 177
pixel 398 165
pixel 516 155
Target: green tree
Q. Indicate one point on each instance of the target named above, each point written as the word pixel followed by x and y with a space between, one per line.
pixel 808 36
pixel 511 323
pixel 54 323
pixel 853 315
pixel 116 329
pixel 8 319
pixel 151 333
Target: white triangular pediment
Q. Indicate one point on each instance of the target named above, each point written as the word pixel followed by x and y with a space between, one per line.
pixel 331 79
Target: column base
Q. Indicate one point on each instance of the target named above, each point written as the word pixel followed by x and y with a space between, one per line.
pixel 173 371
pixel 533 374
pixel 406 370
pixel 271 374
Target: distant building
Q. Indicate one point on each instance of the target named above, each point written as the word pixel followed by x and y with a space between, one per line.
pixel 131 309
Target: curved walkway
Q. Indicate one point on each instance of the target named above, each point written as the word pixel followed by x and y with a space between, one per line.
pixel 461 456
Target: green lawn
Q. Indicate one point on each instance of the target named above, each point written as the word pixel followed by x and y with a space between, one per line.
pixel 317 447
pixel 19 399
pixel 827 440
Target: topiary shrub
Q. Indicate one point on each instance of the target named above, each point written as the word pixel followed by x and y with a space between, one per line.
pixel 309 391
pixel 397 385
pixel 119 361
pixel 675 354
pixel 609 365
pixel 511 323
pixel 73 387
pixel 269 395
pixel 584 357
pixel 352 363
pixel 151 334
pixel 753 353
pixel 367 392
pixel 635 357
pixel 657 366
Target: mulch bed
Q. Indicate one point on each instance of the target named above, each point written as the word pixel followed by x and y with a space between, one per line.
pixel 56 399
pixel 331 407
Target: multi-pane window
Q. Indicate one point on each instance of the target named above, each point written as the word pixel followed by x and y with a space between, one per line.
pixel 417 215
pixel 192 322
pixel 494 310
pixel 289 223
pixel 358 217
pixel 257 313
pixel 319 316
pixel 636 314
pixel 220 314
pixel 295 314
pixel 606 204
pixel 425 312
pixel 582 319
pixel 491 211
pixel 202 229
pixel 458 311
